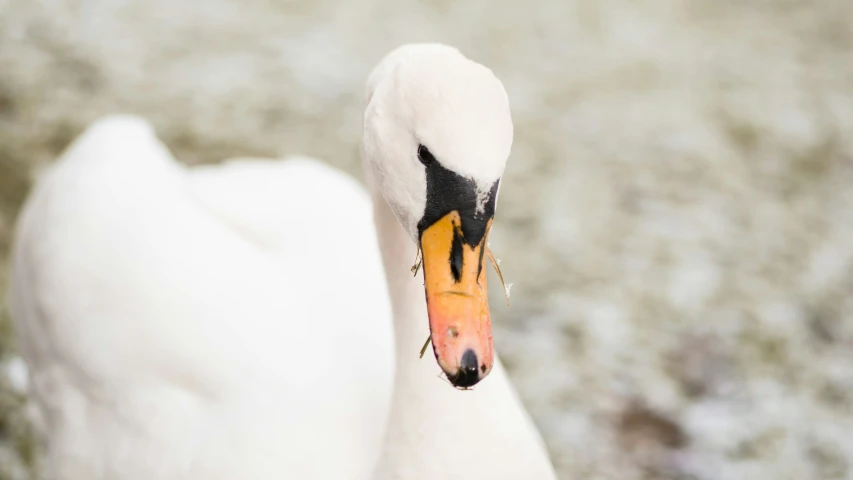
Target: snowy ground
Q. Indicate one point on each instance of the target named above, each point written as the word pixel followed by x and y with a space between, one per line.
pixel 676 214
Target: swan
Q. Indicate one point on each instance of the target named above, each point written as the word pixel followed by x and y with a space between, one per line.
pixel 260 319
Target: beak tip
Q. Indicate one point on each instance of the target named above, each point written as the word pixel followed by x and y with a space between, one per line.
pixel 470 371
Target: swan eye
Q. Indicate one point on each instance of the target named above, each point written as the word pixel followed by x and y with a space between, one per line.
pixel 425 156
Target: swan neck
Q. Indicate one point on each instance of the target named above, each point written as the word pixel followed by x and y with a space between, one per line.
pixel 408 301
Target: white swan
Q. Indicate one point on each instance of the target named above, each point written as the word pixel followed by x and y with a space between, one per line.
pixel 232 322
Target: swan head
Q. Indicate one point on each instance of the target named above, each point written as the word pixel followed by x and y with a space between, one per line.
pixel 437 135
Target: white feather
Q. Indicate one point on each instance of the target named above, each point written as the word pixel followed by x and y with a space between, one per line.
pixel 201 324
pixel 233 322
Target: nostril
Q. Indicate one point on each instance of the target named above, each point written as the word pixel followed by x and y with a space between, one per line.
pixel 456 257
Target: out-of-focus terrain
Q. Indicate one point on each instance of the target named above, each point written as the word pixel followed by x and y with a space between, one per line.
pixel 676 215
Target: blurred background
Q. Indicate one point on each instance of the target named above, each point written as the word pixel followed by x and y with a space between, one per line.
pixel 676 215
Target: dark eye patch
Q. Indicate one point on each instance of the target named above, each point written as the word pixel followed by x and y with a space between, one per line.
pixel 448 191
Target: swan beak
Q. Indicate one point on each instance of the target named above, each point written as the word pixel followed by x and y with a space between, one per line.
pixel 457 300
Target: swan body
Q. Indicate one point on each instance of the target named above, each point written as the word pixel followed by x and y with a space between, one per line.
pixel 233 322
pixel 172 335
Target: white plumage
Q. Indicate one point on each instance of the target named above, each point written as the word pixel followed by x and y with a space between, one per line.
pixel 172 332
pixel 233 321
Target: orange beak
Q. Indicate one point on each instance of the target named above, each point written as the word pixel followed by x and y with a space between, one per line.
pixel 457 300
